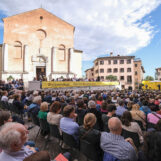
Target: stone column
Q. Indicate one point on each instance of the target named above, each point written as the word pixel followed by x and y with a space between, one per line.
pixel 54 59
pixel 26 59
pixel 5 57
pixel 70 60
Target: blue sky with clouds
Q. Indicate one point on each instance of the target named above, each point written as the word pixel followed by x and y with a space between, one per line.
pixel 125 27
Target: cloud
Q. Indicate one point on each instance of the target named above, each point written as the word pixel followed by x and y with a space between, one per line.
pixel 101 26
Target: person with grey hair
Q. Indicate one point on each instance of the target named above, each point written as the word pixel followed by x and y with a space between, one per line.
pixel 92 109
pixel 34 108
pixel 113 143
pixel 12 139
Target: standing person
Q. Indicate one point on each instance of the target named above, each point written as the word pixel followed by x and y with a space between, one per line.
pixel 114 144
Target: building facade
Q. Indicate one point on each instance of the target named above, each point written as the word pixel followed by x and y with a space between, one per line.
pixel 158 74
pixel 38 44
pixel 128 70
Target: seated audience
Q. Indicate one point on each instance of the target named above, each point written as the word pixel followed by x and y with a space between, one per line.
pixel 151 147
pixel 153 117
pixel 104 108
pixel 145 107
pixel 4 96
pixel 159 112
pixel 158 125
pixel 91 135
pixel 80 111
pixel 5 117
pixel 120 109
pixel 68 124
pixel 129 125
pixel 138 115
pixel 114 144
pixel 111 108
pixel 17 102
pixel 92 109
pixel 43 111
pixel 12 139
pixel 34 108
pixel 54 115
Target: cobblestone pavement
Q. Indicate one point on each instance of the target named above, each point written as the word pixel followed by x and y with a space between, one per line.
pixel 53 146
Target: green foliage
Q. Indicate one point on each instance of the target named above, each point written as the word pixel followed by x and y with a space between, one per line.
pixel 149 78
pixel 111 78
pixel 10 78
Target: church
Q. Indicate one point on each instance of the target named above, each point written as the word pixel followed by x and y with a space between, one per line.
pixel 38 44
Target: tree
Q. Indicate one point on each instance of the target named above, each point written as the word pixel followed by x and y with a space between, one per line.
pixel 149 78
pixel 111 78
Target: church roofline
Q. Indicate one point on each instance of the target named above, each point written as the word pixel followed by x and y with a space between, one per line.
pixel 38 9
pixel 78 50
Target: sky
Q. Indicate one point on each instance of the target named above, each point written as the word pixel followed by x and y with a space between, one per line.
pixel 124 27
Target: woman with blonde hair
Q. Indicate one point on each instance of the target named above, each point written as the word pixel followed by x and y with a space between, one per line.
pixel 91 135
pixel 138 115
pixel 43 111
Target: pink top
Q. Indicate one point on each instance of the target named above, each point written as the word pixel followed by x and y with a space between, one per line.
pixel 153 119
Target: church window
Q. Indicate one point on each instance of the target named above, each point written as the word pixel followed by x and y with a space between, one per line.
pixel 61 52
pixel 18 50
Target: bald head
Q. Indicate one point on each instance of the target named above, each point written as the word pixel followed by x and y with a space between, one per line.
pixel 115 126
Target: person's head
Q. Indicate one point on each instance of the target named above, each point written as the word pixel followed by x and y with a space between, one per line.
pixel 121 103
pixel 111 108
pixel 104 106
pixel 135 107
pixel 13 136
pixel 5 117
pixel 158 125
pixel 44 106
pixel 55 107
pixel 4 93
pixel 80 103
pixel 17 97
pixel 69 111
pixel 152 146
pixel 126 118
pixel 145 103
pixel 37 100
pixel 115 126
pixel 39 156
pixel 91 104
pixel 35 93
pixel 89 120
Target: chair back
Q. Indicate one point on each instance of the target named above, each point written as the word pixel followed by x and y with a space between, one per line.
pixel 132 135
pixel 69 140
pixel 54 131
pixel 140 124
pixel 109 157
pixel 88 150
pixel 44 125
pixel 35 119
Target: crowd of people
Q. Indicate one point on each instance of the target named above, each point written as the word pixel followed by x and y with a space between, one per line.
pixel 119 125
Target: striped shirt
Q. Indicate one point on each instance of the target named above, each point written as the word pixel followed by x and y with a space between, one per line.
pixel 117 146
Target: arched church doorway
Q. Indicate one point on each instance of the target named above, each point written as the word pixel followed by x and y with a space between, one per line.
pixel 41 73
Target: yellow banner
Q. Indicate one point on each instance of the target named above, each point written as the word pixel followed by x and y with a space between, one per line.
pixel 76 84
pixel 151 85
